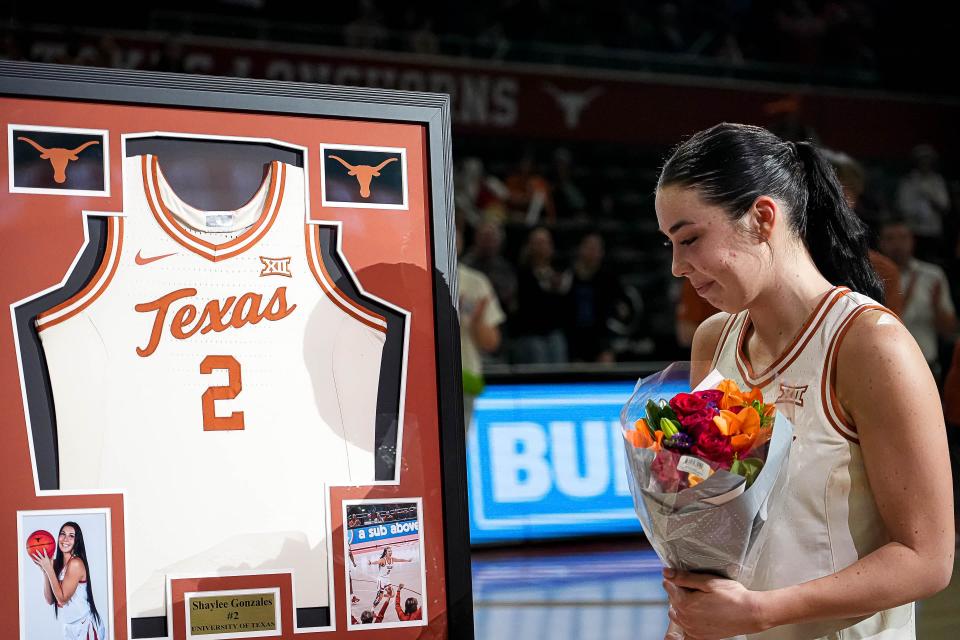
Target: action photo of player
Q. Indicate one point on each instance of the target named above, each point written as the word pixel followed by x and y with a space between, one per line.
pixel 384 550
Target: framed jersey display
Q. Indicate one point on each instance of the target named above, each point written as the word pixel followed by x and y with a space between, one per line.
pixel 230 331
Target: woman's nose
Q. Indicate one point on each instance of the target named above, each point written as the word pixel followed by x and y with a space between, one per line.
pixel 678 266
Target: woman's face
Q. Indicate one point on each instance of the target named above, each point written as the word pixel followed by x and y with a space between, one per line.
pixel 389 552
pixel 720 259
pixel 541 245
pixel 67 539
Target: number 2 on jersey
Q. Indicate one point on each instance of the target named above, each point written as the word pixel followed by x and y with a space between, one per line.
pixel 212 422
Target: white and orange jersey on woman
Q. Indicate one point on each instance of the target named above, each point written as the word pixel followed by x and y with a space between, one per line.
pixel 828 518
pixel 214 372
pixel 76 616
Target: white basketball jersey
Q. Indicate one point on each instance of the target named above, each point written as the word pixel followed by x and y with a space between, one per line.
pixel 828 518
pixel 76 616
pixel 213 372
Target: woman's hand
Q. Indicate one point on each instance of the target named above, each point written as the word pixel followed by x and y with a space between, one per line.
pixel 42 560
pixel 708 607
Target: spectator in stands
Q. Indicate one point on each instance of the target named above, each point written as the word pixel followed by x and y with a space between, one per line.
pixel 480 320
pixel 592 299
pixel 801 28
pixel 367 30
pixel 538 324
pixel 669 29
pixel 480 196
pixel 852 178
pixel 530 199
pixel 411 608
pixel 367 616
pixel 569 199
pixel 422 38
pixel 485 257
pixel 923 200
pixel 928 310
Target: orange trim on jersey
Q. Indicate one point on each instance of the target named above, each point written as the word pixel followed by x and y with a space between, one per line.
pixel 173 228
pixel 315 258
pixel 724 334
pixel 796 346
pixel 832 408
pixel 96 286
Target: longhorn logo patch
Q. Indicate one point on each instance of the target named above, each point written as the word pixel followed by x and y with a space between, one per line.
pixel 57 160
pixel 364 177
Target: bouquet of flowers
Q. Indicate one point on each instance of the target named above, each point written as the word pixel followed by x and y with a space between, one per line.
pixel 704 469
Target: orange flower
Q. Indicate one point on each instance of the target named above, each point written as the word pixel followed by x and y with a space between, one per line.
pixel 658 445
pixel 734 397
pixel 742 428
pixel 755 395
pixel 731 394
pixel 640 436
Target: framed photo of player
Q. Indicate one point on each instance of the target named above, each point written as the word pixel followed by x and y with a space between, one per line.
pixel 231 318
pixel 385 563
pixel 65 574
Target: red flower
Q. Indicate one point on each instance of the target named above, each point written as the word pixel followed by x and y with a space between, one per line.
pixel 694 423
pixel 714 447
pixel 684 403
pixel 710 395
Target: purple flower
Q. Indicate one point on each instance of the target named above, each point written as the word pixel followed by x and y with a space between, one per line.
pixel 678 442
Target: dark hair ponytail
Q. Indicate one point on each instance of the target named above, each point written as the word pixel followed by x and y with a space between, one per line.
pixel 731 165
pixel 832 231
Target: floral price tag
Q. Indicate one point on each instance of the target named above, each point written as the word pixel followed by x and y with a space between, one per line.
pixel 696 466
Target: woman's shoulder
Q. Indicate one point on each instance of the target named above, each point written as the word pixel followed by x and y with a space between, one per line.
pixel 707 335
pixel 876 341
pixel 706 339
pixel 76 567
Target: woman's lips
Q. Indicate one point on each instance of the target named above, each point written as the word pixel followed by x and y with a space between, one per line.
pixel 703 288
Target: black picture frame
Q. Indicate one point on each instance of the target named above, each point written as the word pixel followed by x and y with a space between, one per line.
pixel 429 110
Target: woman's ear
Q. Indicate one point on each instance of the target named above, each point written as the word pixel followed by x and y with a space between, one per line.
pixel 765 215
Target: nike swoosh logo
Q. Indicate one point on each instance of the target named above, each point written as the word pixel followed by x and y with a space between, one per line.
pixel 139 259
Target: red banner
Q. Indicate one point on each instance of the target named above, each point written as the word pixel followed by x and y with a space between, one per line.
pixel 541 101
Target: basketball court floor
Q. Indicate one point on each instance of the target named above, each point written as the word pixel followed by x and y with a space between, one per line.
pixel 609 591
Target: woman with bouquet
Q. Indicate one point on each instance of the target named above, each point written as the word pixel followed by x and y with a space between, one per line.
pixel 761 230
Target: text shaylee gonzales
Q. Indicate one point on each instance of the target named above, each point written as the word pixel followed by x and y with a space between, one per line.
pixel 196 605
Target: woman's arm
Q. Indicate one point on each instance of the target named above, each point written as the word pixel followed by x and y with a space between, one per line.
pixel 63 591
pixel 886 387
pixel 45 564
